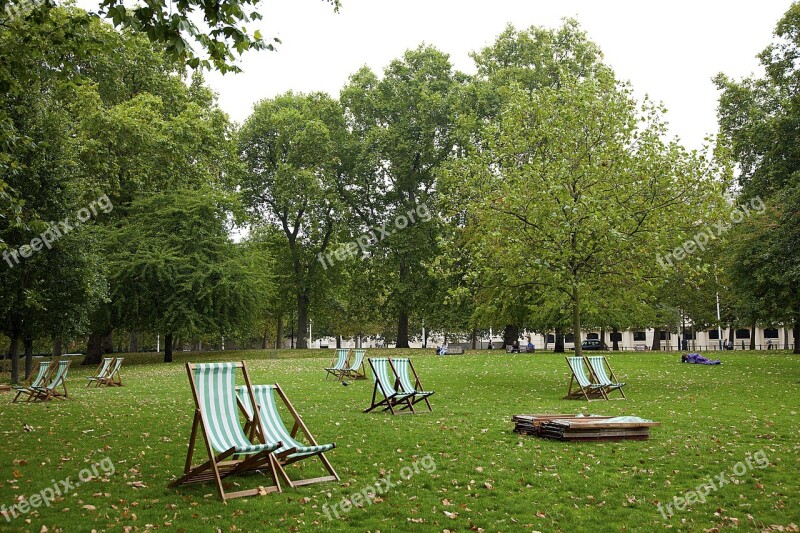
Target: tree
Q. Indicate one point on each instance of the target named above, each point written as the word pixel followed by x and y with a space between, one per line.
pixel 290 148
pixel 759 119
pixel 405 127
pixel 605 190
pixel 173 268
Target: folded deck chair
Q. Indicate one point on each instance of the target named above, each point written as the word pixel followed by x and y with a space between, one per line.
pixel 113 379
pixel 46 369
pixel 584 388
pixel 386 384
pixel 216 415
pixel 102 371
pixel 404 370
pixel 356 369
pixel 272 429
pixel 598 365
pixel 339 365
pixel 51 389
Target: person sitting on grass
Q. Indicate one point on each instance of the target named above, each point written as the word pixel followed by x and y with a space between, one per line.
pixel 696 358
pixel 530 348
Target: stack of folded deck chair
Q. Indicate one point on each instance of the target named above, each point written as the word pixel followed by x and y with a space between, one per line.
pixel 584 428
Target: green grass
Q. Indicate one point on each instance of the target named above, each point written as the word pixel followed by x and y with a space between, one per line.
pixel 486 477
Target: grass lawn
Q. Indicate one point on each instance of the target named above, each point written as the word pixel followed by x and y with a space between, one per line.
pixel 465 468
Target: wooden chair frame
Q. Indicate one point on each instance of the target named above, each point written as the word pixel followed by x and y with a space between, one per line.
pixel 420 394
pixel 589 391
pixel 391 398
pixel 217 468
pixel 109 380
pixel 102 371
pixel 57 380
pixel 287 456
pixel 608 379
pixel 338 366
pixel 43 375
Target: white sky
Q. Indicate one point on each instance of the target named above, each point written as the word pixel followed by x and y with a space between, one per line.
pixel 669 50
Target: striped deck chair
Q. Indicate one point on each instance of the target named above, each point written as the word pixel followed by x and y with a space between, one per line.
pixel 46 369
pixel 610 383
pixel 102 372
pixel 272 429
pixel 50 391
pixel 356 369
pixel 404 369
pixel 339 364
pixel 110 380
pixel 584 388
pixel 386 383
pixel 217 416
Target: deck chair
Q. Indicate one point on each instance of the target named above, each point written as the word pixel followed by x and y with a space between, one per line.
pixel 272 429
pixel 404 369
pixel 101 373
pixel 598 365
pixel 386 385
pixel 113 379
pixel 46 369
pixel 584 388
pixel 216 415
pixel 339 364
pixel 356 369
pixel 57 380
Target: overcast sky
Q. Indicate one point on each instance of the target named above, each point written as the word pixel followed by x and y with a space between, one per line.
pixel 669 50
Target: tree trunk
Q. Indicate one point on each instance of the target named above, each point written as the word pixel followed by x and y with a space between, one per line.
pixel 13 352
pixel 656 346
pixel 559 344
pixel 265 338
pixel 28 346
pixel 786 337
pixel 168 348
pixel 510 334
pixel 58 346
pixel 338 342
pixel 94 348
pixel 796 333
pixel 730 333
pixel 615 334
pixel 303 303
pixel 108 343
pixel 474 338
pixel 402 330
pixel 279 334
pixel 603 335
pixel 753 337
pixel 133 342
pixel 576 321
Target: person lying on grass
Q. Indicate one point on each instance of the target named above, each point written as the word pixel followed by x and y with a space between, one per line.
pixel 698 359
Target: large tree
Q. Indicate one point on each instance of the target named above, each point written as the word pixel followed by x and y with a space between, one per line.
pixel 760 118
pixel 405 124
pixel 291 148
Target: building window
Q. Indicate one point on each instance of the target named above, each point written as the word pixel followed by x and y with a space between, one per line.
pixel 569 337
pixel 592 335
pixel 616 336
pixel 550 338
pixel 770 333
pixel 688 335
pixel 742 333
pixel 713 334
pixel 640 336
pixel 664 336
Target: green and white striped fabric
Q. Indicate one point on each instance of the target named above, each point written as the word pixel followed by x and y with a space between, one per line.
pixel 598 366
pixel 579 370
pixel 39 379
pixel 274 429
pixel 341 360
pixel 103 369
pixel 58 378
pixel 117 365
pixel 402 366
pixel 216 394
pixel 382 374
pixel 358 360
